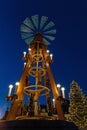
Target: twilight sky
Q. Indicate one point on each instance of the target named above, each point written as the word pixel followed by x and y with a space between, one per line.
pixel 69 48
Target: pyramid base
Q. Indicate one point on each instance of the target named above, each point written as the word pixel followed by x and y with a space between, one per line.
pixel 34 123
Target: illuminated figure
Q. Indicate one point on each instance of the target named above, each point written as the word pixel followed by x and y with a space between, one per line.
pixel 37 32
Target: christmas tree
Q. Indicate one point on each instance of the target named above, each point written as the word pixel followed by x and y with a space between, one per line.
pixel 78 106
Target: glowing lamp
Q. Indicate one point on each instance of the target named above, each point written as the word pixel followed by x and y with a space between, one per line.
pixel 24 64
pixel 16 86
pixel 58 86
pixel 17 83
pixel 10 89
pixel 48 51
pixel 24 54
pixel 29 49
pixel 51 56
pixel 53 102
pixel 63 92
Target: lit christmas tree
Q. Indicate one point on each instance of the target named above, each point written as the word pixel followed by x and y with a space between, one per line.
pixel 78 106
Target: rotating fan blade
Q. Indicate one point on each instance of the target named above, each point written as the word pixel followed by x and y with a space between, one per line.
pixel 29 40
pixel 49 25
pixel 35 24
pixel 50 32
pixel 43 21
pixel 26 35
pixel 25 29
pixel 49 37
pixel 46 41
pixel 35 20
pixel 28 22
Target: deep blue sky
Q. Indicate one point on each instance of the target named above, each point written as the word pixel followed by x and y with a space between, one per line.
pixel 69 47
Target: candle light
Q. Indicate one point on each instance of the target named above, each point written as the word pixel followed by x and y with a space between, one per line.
pixel 48 51
pixel 63 92
pixel 29 49
pixel 17 83
pixel 58 86
pixel 10 90
pixel 51 56
pixel 24 64
pixel 24 54
pixel 53 103
pixel 16 86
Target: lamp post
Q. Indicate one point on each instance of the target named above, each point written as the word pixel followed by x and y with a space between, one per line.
pixel 63 92
pixel 10 90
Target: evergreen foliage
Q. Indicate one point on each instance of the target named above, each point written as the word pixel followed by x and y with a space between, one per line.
pixel 78 106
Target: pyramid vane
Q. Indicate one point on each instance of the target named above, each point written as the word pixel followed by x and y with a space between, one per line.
pixel 35 24
pixel 35 20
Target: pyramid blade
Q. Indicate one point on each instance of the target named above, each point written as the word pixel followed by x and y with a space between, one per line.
pixel 49 37
pixel 46 41
pixel 28 22
pixel 50 32
pixel 43 21
pixel 48 26
pixel 29 40
pixel 35 20
pixel 26 35
pixel 25 29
